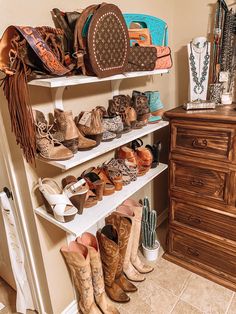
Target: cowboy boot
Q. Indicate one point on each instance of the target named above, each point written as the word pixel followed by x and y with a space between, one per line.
pixel 109 250
pixel 135 260
pixel 123 226
pixel 128 268
pixel 78 261
pixel 65 124
pixel 90 241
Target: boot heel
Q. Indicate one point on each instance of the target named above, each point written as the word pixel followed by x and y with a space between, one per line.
pixel 97 138
pixel 99 190
pixel 79 201
pixel 72 145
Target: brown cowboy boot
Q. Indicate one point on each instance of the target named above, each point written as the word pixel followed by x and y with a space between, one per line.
pixel 123 226
pixel 90 241
pixel 65 124
pixel 135 260
pixel 78 261
pixel 109 250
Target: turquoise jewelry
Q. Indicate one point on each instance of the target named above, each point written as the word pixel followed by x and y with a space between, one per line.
pixel 199 88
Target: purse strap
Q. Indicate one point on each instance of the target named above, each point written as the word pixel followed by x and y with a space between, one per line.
pixel 42 50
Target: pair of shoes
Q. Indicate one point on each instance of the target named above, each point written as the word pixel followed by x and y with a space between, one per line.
pixel 56 201
pixel 47 146
pixel 90 125
pixel 140 156
pixel 83 259
pixel 133 267
pixel 155 105
pixel 155 150
pixel 112 125
pixel 113 241
pixel 121 105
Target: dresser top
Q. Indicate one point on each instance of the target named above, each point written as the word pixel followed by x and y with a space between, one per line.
pixel 221 113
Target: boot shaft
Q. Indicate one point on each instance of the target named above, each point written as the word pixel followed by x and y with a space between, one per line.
pixel 66 124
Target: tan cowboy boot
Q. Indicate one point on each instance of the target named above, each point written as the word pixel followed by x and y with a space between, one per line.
pixel 128 268
pixel 135 260
pixel 109 250
pixel 65 124
pixel 78 261
pixel 123 226
pixel 90 241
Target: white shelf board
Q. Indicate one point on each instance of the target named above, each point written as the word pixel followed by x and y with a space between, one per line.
pixel 105 147
pixel 92 215
pixel 82 79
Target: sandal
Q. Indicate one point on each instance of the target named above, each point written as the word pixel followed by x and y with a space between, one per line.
pixel 115 175
pixel 155 150
pixel 109 187
pixel 128 169
pixel 76 191
pixel 56 201
pixel 94 182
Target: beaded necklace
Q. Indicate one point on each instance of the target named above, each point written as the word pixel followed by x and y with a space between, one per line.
pixel 199 88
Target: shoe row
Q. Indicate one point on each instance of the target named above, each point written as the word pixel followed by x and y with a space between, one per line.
pixel 108 264
pixel 63 135
pixel 93 184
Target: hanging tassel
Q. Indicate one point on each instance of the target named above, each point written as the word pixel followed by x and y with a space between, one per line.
pixel 22 123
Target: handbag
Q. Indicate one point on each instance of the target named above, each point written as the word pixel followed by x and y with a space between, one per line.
pixel 24 53
pixel 142 58
pixel 164 59
pixel 101 41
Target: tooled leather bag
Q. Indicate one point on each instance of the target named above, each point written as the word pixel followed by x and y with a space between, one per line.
pixel 101 41
pixel 24 53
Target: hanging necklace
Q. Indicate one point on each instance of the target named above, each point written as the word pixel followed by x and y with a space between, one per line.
pixel 199 88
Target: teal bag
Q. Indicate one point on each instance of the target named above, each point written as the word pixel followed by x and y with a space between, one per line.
pixel 157 27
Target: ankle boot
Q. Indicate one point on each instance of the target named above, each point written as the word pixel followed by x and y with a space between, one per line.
pixel 155 105
pixel 123 226
pixel 109 250
pixel 65 124
pixel 128 268
pixel 135 260
pixel 78 261
pixel 90 241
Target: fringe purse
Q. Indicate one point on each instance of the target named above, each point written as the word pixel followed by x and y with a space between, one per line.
pixel 24 52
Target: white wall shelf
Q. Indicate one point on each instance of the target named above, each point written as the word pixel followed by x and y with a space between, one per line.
pixel 84 156
pixel 82 79
pixel 93 215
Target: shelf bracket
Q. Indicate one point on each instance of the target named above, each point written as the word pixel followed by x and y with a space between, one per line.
pixel 115 87
pixel 57 97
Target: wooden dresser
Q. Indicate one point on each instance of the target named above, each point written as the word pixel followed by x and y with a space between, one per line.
pixel 202 191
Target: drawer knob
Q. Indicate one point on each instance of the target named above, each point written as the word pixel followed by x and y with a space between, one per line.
pixel 193 252
pixel 197 182
pixel 198 143
pixel 194 220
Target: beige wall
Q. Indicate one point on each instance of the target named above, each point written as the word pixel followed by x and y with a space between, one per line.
pixel 186 19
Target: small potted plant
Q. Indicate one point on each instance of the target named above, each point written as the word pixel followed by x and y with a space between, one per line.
pixel 149 238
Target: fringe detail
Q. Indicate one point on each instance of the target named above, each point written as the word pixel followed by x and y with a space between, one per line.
pixel 16 90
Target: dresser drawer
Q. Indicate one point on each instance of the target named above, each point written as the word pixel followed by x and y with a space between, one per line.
pixel 203 218
pixel 205 254
pixel 204 140
pixel 202 181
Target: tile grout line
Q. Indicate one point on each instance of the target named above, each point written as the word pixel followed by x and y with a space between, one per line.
pixel 184 287
pixel 230 302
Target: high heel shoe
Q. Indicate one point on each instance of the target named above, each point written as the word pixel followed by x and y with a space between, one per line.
pixel 94 182
pixel 155 150
pixel 76 191
pixel 56 201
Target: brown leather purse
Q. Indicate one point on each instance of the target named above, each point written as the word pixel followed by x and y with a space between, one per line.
pixel 103 50
pixel 142 59
pixel 24 53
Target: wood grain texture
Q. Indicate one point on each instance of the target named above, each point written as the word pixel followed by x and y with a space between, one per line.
pixel 202 183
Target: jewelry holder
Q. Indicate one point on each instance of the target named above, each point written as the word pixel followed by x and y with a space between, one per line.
pixel 199 63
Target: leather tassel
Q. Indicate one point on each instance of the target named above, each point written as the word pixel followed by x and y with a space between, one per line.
pixel 22 123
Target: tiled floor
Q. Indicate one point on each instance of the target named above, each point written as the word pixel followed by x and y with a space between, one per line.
pixel 169 289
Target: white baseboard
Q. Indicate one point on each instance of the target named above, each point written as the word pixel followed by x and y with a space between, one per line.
pixel 71 308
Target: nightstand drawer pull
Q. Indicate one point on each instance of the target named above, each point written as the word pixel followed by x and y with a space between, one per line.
pixel 202 144
pixel 194 220
pixel 197 182
pixel 193 252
